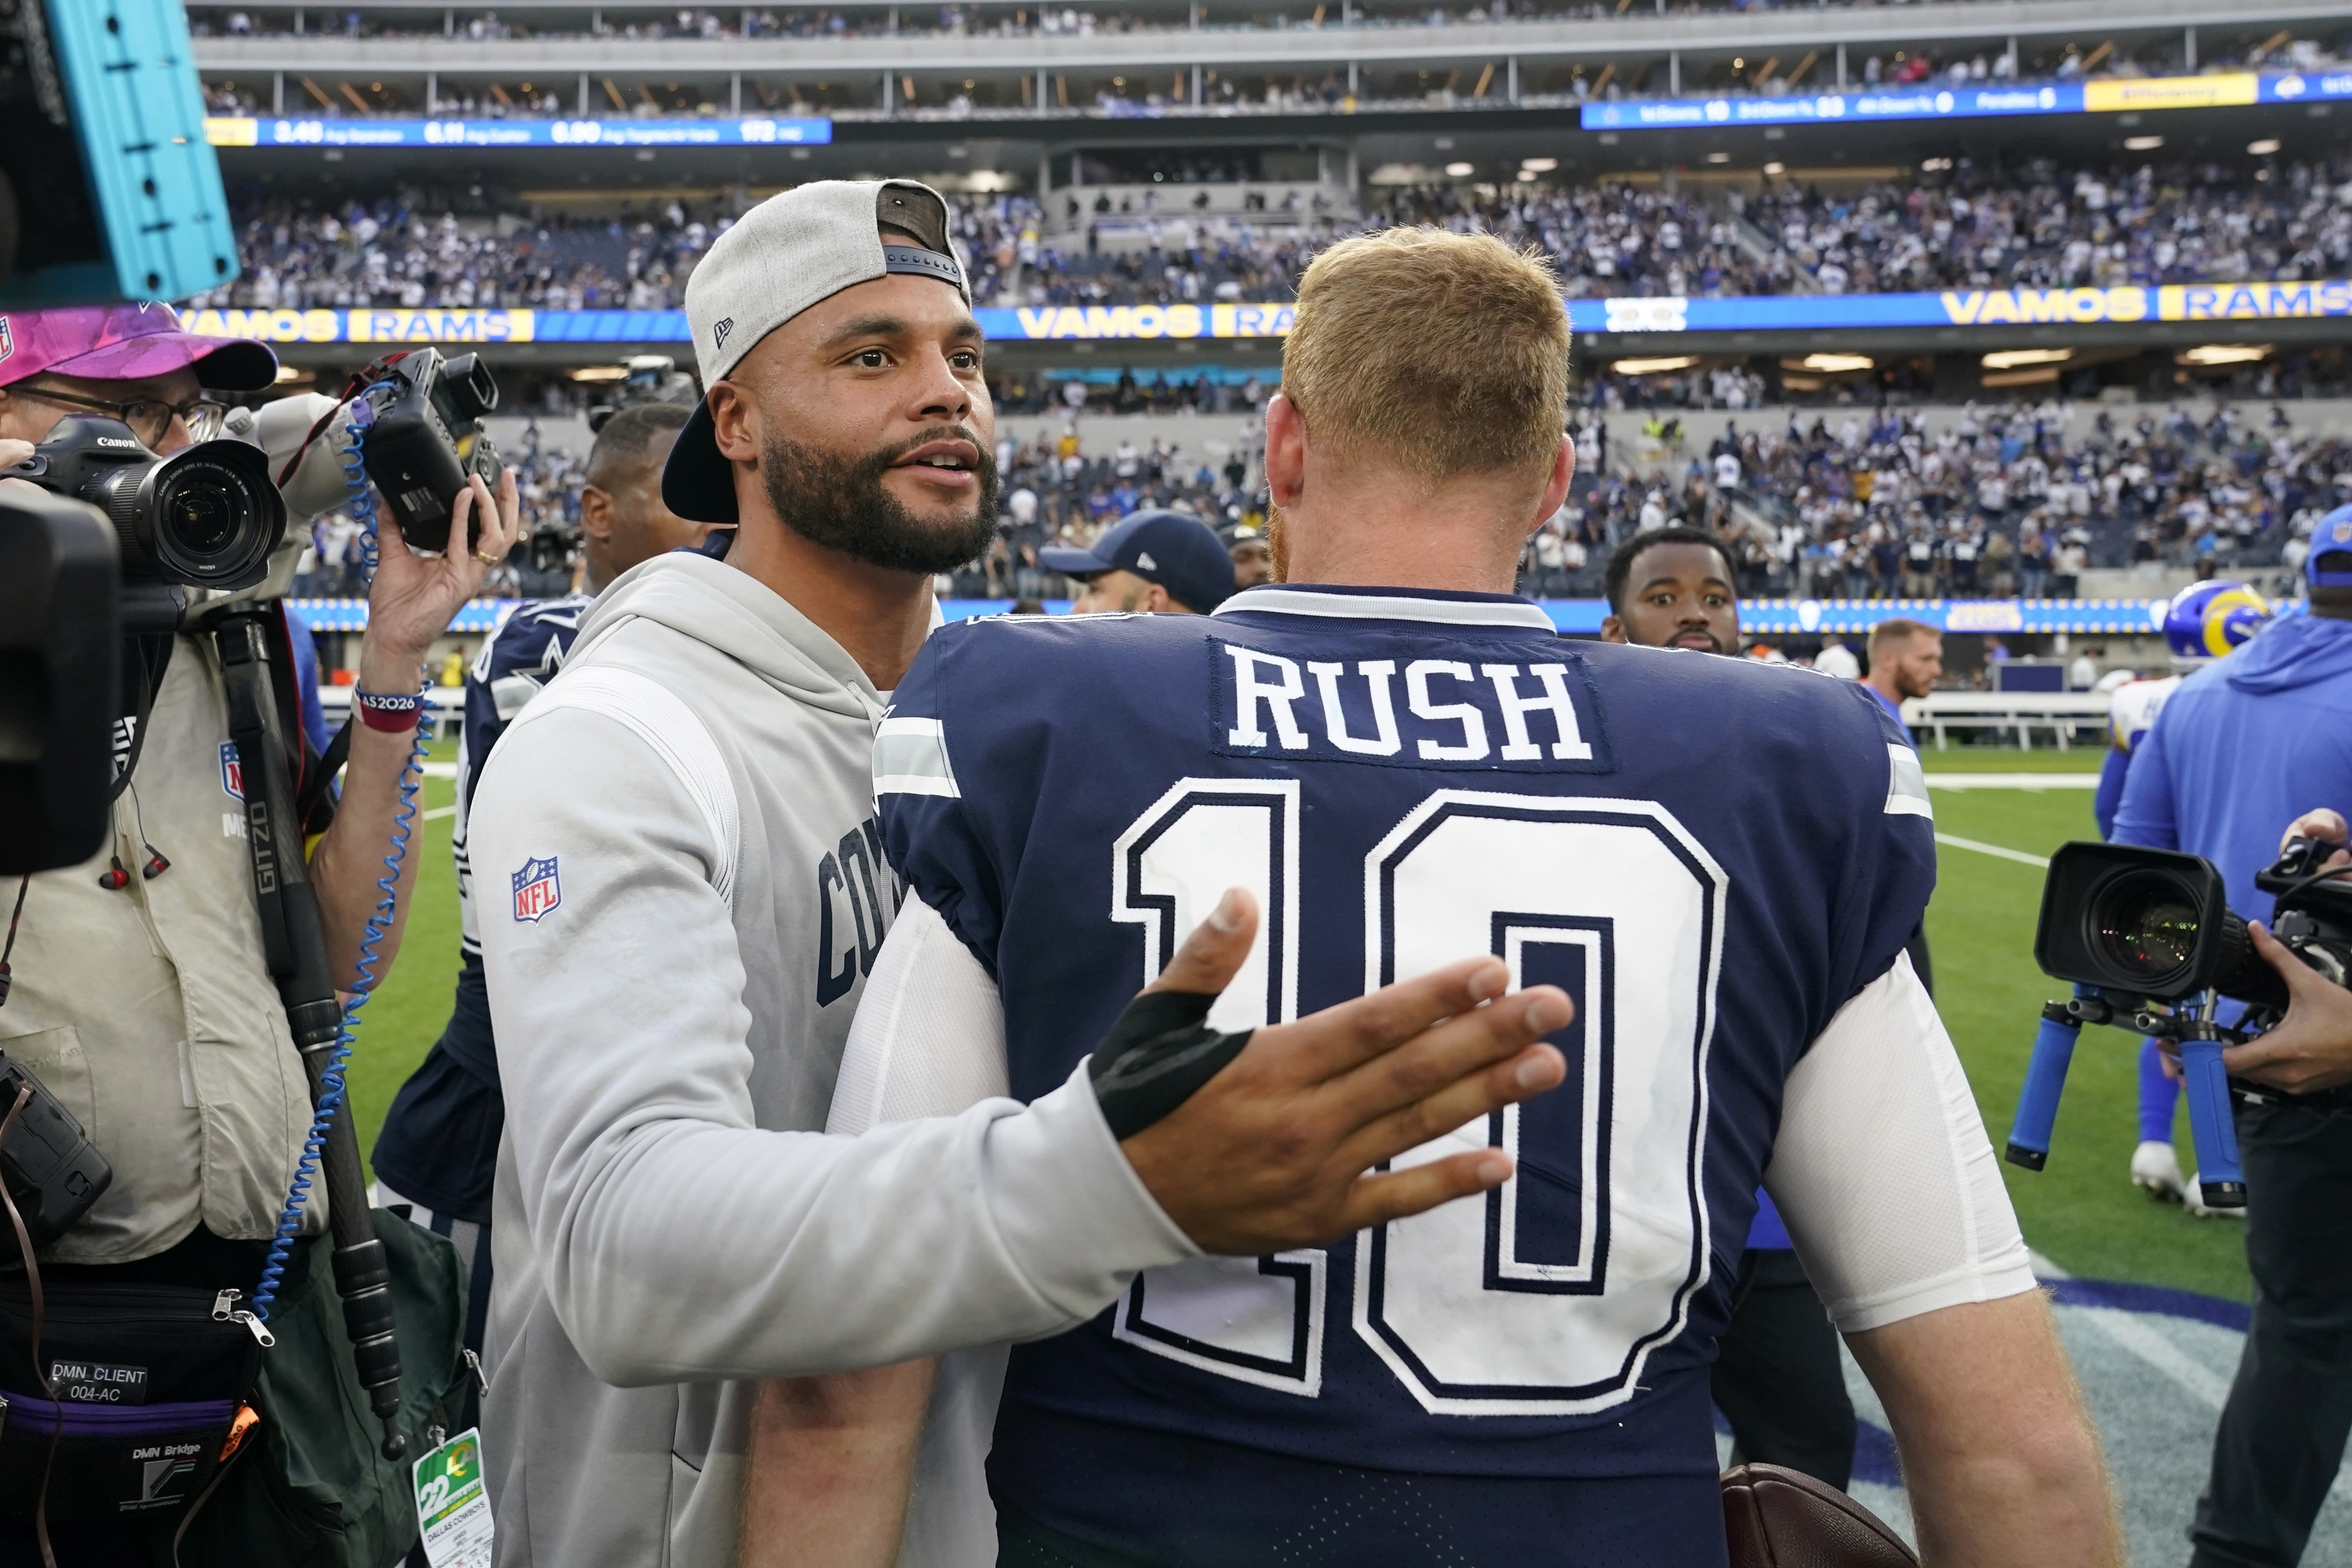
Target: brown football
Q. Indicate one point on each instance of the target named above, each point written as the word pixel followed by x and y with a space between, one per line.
pixel 1777 1518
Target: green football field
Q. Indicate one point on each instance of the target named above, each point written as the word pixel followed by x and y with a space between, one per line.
pixel 2081 1212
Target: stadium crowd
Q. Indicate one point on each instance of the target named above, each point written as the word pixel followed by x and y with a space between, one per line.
pixel 2048 227
pixel 2001 502
pixel 1846 504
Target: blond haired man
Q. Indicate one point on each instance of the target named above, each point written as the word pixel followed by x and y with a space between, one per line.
pixel 1719 861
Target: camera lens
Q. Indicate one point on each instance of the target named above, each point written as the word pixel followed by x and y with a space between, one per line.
pixel 2146 925
pixel 210 517
pixel 203 520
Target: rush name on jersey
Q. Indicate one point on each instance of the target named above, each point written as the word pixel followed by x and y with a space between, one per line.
pixel 1710 856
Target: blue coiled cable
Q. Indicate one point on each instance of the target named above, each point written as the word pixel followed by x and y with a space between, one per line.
pixel 331 1081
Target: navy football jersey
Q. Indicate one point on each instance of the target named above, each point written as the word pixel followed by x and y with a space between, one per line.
pixel 1710 856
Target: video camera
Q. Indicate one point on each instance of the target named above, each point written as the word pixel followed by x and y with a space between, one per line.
pixel 2149 941
pixel 423 438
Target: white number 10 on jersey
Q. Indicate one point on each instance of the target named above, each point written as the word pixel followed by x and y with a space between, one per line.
pixel 1546 1297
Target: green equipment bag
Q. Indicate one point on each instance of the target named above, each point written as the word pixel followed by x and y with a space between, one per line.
pixel 311 1487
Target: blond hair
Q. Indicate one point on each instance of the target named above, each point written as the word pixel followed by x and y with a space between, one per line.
pixel 1442 353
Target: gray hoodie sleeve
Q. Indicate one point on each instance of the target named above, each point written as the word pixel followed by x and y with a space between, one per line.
pixel 678 1241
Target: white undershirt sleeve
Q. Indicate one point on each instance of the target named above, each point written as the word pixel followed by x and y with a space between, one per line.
pixel 928 1040
pixel 1882 1170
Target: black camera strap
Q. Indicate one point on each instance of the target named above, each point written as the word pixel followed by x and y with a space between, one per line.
pixel 294 940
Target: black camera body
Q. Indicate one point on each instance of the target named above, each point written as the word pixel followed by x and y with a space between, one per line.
pixel 2156 925
pixel 424 439
pixel 204 517
pixel 52 1170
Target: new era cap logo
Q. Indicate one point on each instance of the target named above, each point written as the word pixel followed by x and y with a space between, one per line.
pixel 1143 559
pixel 718 333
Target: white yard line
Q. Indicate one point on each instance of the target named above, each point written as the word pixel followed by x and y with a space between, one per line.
pixel 2135 1334
pixel 2019 856
pixel 439 812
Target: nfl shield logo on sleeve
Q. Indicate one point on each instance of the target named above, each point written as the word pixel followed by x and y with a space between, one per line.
pixel 536 890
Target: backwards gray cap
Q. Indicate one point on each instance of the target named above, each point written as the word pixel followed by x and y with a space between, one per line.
pixel 785 255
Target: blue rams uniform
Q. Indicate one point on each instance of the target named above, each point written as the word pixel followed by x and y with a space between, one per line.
pixel 452 1102
pixel 1710 857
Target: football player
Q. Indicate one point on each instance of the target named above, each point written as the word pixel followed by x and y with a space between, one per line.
pixel 684 819
pixel 1778 1376
pixel 1721 861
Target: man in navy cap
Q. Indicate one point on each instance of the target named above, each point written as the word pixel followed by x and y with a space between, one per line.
pixel 1159 563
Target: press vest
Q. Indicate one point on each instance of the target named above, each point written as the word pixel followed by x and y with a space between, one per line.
pixel 148 1010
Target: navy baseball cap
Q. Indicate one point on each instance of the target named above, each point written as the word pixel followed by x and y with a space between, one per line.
pixel 2332 536
pixel 1181 553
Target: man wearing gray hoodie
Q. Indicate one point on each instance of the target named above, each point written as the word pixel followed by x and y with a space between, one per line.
pixel 677 932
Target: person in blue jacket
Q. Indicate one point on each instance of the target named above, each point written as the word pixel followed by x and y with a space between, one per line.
pixel 2245 745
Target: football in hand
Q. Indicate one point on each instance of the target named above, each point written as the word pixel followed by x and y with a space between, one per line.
pixel 1777 1518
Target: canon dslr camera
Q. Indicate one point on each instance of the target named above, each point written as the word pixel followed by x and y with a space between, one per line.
pixel 204 517
pixel 423 439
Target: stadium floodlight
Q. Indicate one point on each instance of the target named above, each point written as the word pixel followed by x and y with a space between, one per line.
pixel 2012 359
pixel 1538 165
pixel 1934 165
pixel 1460 170
pixel 1718 157
pixel 2223 353
pixel 1832 364
pixel 2148 143
pixel 1776 168
pixel 1653 366
pixel 2263 148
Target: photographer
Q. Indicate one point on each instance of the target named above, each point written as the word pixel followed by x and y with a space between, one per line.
pixel 143 999
pixel 2310 1049
pixel 2240 747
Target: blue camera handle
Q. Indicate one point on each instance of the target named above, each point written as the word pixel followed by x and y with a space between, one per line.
pixel 2045 1080
pixel 2211 1123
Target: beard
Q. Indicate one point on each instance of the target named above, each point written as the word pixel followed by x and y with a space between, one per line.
pixel 840 503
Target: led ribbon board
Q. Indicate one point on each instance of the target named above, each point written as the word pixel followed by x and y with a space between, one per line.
pixel 1931 101
pixel 246 131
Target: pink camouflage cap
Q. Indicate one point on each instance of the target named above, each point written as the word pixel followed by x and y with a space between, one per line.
pixel 126 342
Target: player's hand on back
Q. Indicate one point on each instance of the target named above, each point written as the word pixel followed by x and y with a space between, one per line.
pixel 1276 1151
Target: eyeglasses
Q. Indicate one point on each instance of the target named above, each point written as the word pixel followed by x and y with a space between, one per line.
pixel 149 418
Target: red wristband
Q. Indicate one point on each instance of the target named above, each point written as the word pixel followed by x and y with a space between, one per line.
pixel 392 712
